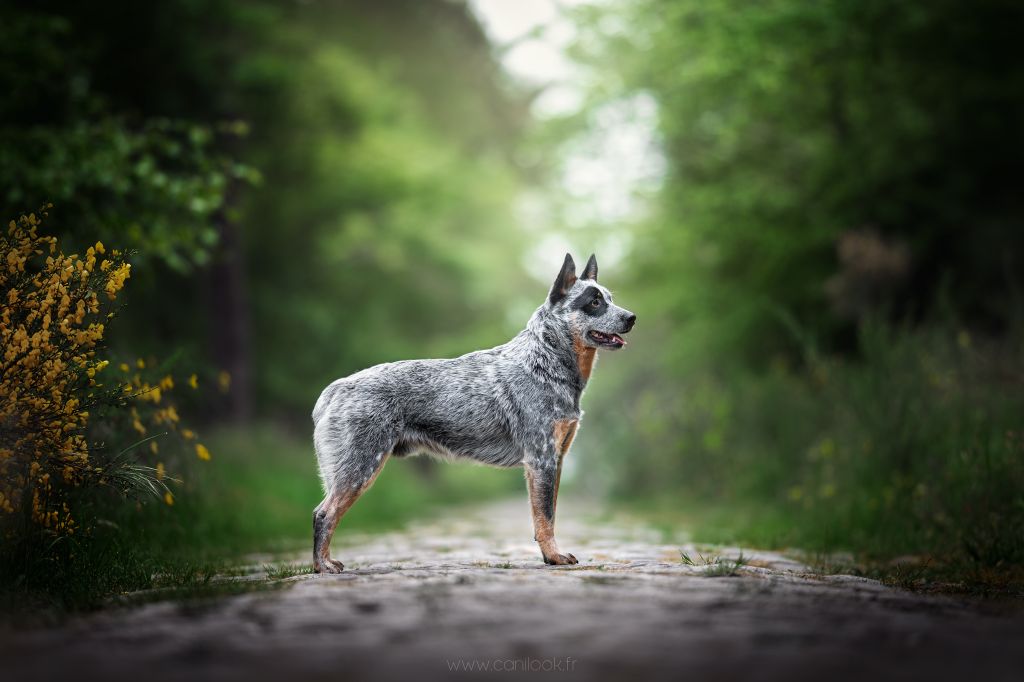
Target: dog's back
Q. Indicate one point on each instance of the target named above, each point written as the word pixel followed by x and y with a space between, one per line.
pixel 459 407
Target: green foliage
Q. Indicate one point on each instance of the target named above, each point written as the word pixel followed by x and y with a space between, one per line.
pixel 789 125
pixel 151 184
pixel 403 232
pixel 79 573
pixel 829 279
pixel 382 227
pixel 913 448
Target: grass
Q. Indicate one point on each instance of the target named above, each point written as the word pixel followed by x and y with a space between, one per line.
pixel 715 566
pixel 287 570
pixel 256 496
pixel 923 572
pixel 258 492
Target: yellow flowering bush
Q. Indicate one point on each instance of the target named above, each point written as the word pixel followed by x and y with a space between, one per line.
pixel 153 416
pixel 52 324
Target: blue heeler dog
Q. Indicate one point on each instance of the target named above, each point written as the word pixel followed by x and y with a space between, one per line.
pixel 516 404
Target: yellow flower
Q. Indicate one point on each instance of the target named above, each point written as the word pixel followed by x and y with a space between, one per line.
pixel 202 452
pixel 160 471
pixel 169 499
pixel 193 381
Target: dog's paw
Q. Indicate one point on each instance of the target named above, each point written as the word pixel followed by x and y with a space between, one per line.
pixel 329 566
pixel 560 560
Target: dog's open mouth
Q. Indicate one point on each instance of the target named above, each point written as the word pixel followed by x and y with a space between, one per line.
pixel 607 340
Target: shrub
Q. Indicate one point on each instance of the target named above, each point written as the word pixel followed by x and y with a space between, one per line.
pixel 61 429
pixel 52 321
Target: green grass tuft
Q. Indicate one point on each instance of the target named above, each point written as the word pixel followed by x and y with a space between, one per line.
pixel 287 570
pixel 715 566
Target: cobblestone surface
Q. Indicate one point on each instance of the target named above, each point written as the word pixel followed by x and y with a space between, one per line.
pixel 470 590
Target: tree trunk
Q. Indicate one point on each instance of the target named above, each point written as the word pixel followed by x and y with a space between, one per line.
pixel 229 315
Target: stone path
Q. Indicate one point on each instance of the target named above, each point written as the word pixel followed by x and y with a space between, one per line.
pixel 470 591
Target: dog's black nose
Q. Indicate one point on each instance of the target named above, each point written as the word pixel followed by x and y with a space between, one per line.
pixel 630 321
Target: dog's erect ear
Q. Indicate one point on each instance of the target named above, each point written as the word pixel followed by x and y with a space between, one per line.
pixel 566 278
pixel 590 271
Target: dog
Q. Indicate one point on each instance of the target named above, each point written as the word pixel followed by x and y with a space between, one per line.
pixel 517 404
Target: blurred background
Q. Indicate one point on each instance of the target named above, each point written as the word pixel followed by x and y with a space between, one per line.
pixel 814 209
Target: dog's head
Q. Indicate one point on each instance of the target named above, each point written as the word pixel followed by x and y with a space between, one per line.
pixel 587 309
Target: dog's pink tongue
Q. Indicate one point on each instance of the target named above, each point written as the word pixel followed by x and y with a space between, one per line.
pixel 619 339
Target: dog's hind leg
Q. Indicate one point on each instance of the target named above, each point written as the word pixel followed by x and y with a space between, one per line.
pixel 353 441
pixel 327 515
pixel 349 466
pixel 325 520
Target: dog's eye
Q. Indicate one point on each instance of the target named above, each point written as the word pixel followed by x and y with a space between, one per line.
pixel 596 303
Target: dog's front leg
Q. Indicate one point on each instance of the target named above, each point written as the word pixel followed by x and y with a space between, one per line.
pixel 542 484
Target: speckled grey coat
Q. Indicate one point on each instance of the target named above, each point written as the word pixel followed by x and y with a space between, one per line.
pixel 498 406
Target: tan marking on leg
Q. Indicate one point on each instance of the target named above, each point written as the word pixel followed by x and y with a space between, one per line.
pixel 564 433
pixel 543 529
pixel 585 356
pixel 558 482
pixel 337 505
